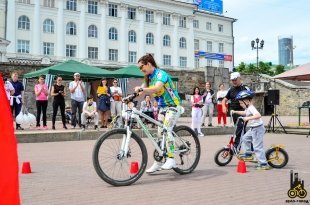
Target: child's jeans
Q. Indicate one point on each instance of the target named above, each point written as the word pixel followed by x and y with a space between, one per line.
pixel 255 135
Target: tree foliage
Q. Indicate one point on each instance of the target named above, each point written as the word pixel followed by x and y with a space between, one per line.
pixel 263 68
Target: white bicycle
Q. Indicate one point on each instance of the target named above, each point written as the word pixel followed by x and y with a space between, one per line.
pixel 116 150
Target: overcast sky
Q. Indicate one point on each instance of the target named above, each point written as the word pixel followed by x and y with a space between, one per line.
pixel 267 19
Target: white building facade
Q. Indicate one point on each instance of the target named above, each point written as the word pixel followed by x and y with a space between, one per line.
pixel 116 33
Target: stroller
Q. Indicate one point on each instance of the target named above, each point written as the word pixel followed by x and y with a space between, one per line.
pixel 68 115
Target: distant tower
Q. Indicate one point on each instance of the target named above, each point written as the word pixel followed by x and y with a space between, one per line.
pixel 286 48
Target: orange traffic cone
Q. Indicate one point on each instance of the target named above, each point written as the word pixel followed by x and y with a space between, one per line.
pixel 134 167
pixel 26 169
pixel 241 167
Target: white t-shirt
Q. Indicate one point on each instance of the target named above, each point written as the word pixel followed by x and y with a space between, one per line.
pixel 8 88
pixel 78 94
pixel 250 111
pixel 221 94
pixel 91 108
pixel 113 89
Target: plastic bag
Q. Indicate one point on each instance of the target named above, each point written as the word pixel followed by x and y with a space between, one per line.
pixel 25 118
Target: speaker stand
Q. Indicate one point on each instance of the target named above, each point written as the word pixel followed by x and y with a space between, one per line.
pixel 272 122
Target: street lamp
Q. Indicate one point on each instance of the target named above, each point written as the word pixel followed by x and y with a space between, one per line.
pixel 256 47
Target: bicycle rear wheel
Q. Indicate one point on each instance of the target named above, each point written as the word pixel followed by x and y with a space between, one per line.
pixel 109 163
pixel 186 158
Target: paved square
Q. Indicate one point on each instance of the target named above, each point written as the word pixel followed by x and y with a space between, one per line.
pixel 64 174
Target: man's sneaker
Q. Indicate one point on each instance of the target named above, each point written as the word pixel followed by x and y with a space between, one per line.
pixel 155 167
pixel 169 164
pixel 262 167
pixel 246 157
pixel 200 135
pixel 203 124
pixel 96 127
pixel 83 127
pixel 210 125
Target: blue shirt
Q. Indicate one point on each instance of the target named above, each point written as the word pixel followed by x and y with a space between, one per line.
pixel 18 86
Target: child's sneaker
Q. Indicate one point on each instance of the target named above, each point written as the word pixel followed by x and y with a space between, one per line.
pixel 262 167
pixel 246 157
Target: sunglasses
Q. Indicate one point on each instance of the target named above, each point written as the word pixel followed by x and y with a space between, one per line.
pixel 141 66
pixel 114 82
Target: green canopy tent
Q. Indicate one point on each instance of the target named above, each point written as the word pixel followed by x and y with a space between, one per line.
pixel 68 68
pixel 131 71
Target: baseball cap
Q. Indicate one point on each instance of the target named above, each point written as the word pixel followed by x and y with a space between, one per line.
pixel 234 75
pixel 76 74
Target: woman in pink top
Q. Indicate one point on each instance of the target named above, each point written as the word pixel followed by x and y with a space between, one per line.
pixel 41 91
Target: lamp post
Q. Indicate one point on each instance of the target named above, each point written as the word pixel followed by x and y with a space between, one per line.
pixel 257 47
pixel 291 55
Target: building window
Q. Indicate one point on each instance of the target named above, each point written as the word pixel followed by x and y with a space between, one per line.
pixel 166 19
pixel 113 10
pixel 113 33
pixel 221 28
pixel 23 46
pixel 132 37
pixel 92 52
pixel 132 57
pixel 92 7
pixel 49 3
pixel 149 39
pixel 113 55
pixel 196 62
pixel 167 60
pixel 209 63
pixel 92 31
pixel 71 50
pixel 71 5
pixel 149 16
pixel 182 42
pixel 23 23
pixel 166 40
pixel 71 29
pixel 24 1
pixel 196 44
pixel 221 64
pixel 131 13
pixel 48 49
pixel 48 26
pixel 209 46
pixel 183 62
pixel 196 23
pixel 221 47
pixel 209 26
pixel 182 21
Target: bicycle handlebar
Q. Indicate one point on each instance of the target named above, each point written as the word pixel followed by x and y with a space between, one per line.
pixel 131 97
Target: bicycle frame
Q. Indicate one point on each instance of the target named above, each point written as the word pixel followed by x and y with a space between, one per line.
pixel 136 114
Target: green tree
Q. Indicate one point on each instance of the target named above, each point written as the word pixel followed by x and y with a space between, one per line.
pixel 241 67
pixel 251 68
pixel 279 69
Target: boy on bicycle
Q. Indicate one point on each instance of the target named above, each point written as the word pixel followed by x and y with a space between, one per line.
pixel 256 130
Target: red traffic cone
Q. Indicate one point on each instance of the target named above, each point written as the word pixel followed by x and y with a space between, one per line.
pixel 134 167
pixel 26 169
pixel 241 167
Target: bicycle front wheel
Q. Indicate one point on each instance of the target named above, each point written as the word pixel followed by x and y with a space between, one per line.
pixel 112 165
pixel 187 147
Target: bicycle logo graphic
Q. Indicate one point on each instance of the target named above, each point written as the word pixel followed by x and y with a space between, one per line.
pixel 297 187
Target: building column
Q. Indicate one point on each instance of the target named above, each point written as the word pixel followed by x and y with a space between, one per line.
pixel 203 60
pixel 103 31
pixel 190 44
pixel 141 36
pixel 60 30
pixel 36 31
pixel 175 42
pixel 123 39
pixel 159 42
pixel 11 27
pixel 82 48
